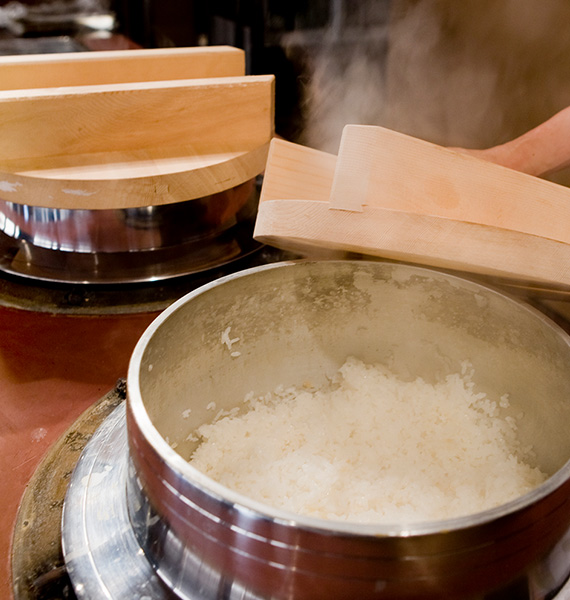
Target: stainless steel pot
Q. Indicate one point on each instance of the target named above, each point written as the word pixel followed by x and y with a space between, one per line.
pixel 127 245
pixel 302 319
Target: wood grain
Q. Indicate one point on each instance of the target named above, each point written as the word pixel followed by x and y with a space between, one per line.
pixel 295 171
pixel 386 169
pixel 434 241
pixel 133 144
pixel 313 200
pixel 225 112
pixel 119 66
pixel 164 181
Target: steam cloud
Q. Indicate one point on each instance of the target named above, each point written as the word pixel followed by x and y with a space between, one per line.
pixel 471 74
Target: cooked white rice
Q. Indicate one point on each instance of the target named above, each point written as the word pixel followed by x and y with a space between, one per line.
pixel 371 449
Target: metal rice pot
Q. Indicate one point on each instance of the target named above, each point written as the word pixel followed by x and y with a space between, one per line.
pixel 297 321
pixel 127 245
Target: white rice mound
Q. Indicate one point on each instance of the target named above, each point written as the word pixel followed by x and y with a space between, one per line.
pixel 370 448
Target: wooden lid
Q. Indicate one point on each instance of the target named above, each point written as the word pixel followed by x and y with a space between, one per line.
pixel 393 196
pixel 130 128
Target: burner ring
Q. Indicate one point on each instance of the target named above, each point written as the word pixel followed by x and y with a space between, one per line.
pixel 102 555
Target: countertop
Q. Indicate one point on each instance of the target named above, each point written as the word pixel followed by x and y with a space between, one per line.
pixel 53 367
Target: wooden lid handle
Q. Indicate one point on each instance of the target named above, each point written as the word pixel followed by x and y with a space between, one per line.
pixel 393 196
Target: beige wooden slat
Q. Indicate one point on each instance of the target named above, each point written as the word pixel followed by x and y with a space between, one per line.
pixel 119 66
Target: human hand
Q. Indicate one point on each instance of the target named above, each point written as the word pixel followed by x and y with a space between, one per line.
pixel 540 151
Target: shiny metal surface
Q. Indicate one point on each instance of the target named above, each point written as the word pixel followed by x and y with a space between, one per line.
pixel 123 570
pixel 102 556
pixel 144 297
pixel 299 321
pixel 127 245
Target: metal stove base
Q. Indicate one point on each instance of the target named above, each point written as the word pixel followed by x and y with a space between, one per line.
pixel 102 555
pixel 123 299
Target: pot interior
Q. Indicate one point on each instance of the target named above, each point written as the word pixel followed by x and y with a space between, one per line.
pixel 296 322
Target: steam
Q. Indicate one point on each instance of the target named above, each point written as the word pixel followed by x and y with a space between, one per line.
pixel 471 74
pixel 341 94
pixel 474 73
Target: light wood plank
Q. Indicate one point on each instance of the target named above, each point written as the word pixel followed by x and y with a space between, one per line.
pixel 434 241
pixel 133 144
pixel 295 214
pixel 220 112
pixel 135 183
pixel 386 169
pixel 119 66
pixel 295 171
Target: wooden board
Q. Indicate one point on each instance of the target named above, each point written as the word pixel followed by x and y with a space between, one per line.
pixel 384 168
pixel 295 171
pixel 133 144
pixel 119 66
pixel 303 206
pixel 300 225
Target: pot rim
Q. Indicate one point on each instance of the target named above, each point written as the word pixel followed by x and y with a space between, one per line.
pixel 226 495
